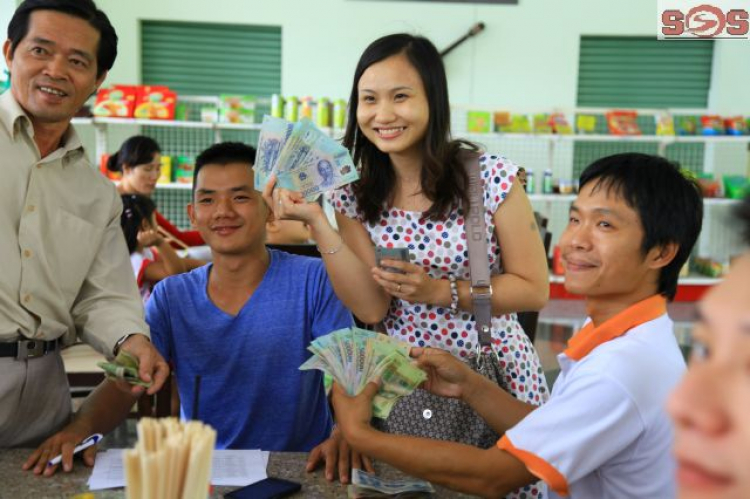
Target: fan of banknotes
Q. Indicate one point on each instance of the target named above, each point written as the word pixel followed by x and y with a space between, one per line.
pixel 366 485
pixel 303 158
pixel 124 367
pixel 353 357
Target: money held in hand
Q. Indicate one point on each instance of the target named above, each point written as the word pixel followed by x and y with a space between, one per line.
pixel 124 367
pixel 353 357
pixel 303 158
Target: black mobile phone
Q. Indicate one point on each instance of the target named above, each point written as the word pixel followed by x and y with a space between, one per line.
pixel 269 488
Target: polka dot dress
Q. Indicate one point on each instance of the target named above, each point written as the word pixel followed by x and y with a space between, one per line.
pixel 440 248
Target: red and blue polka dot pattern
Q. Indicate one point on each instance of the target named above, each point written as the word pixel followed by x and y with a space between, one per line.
pixel 440 248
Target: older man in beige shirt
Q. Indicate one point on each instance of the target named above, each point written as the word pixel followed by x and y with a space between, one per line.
pixel 65 267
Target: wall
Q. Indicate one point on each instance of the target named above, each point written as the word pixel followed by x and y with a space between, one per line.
pixel 526 59
pixel 6 12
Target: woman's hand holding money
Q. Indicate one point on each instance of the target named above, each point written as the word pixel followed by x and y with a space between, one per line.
pixel 290 205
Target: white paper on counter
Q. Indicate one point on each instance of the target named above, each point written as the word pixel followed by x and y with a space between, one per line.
pixel 234 468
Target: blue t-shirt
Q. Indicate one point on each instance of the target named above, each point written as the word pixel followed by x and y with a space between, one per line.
pixel 251 389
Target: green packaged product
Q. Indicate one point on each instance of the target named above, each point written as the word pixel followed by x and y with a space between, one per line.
pixel 339 114
pixel 184 171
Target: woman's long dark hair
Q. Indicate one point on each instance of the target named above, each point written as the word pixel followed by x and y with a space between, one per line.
pixel 444 180
pixel 135 209
pixel 137 150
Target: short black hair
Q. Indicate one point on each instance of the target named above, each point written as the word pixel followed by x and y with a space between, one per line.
pixel 668 204
pixel 87 10
pixel 137 150
pixel 224 153
pixel 743 213
pixel 135 209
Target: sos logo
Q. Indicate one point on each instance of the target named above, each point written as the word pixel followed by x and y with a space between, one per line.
pixel 705 21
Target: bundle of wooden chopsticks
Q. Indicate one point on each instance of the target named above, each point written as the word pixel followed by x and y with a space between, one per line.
pixel 171 460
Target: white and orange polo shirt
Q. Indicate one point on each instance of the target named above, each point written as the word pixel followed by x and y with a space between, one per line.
pixel 604 433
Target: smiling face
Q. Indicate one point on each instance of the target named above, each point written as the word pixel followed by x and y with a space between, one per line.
pixel 53 69
pixel 141 179
pixel 711 406
pixel 601 249
pixel 392 108
pixel 227 211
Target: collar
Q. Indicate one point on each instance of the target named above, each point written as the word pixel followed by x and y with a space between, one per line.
pixel 12 115
pixel 13 118
pixel 590 337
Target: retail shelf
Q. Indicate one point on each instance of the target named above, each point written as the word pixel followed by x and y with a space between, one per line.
pixel 552 197
pixel 164 123
pixel 690 280
pixel 238 126
pixel 560 198
pixel 666 139
pixel 175 185
pixel 83 121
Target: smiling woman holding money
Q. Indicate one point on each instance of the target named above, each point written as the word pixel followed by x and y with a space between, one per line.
pixel 412 189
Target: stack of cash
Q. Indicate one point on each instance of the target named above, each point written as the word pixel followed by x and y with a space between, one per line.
pixel 365 485
pixel 303 158
pixel 353 357
pixel 124 367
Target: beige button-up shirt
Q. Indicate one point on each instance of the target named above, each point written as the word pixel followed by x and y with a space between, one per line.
pixel 64 266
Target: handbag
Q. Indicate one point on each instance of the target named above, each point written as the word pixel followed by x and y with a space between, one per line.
pixel 424 414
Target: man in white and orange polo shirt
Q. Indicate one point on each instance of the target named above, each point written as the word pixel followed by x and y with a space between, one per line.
pixel 604 432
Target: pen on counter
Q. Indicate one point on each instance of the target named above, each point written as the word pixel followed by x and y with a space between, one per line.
pixel 88 442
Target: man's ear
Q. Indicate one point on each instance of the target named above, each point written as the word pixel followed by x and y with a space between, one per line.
pixel 191 215
pixel 7 52
pixel 661 256
pixel 99 81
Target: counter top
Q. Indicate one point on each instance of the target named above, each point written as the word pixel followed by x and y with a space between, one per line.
pixel 18 484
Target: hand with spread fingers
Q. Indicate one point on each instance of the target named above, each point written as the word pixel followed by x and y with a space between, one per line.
pixel 63 443
pixel 336 453
pixel 413 285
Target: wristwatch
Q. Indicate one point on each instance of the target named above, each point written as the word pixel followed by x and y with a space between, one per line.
pixel 122 340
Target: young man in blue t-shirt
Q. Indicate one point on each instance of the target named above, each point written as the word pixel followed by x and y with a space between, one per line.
pixel 243 323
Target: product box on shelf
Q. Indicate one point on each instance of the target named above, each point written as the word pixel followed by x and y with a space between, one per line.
pixel 237 108
pixel 586 124
pixel 117 101
pixel 520 124
pixel 155 103
pixel 542 123
pixel 165 176
pixel 478 121
pixel 501 121
pixel 184 170
pixel 623 123
pixel 712 125
pixel 664 124
pixel 560 124
pixel 735 126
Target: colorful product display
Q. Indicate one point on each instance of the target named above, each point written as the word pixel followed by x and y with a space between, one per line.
pixel 165 176
pixel 586 123
pixel 184 170
pixel 478 121
pixel 116 102
pixel 155 103
pixel 623 123
pixel 237 109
